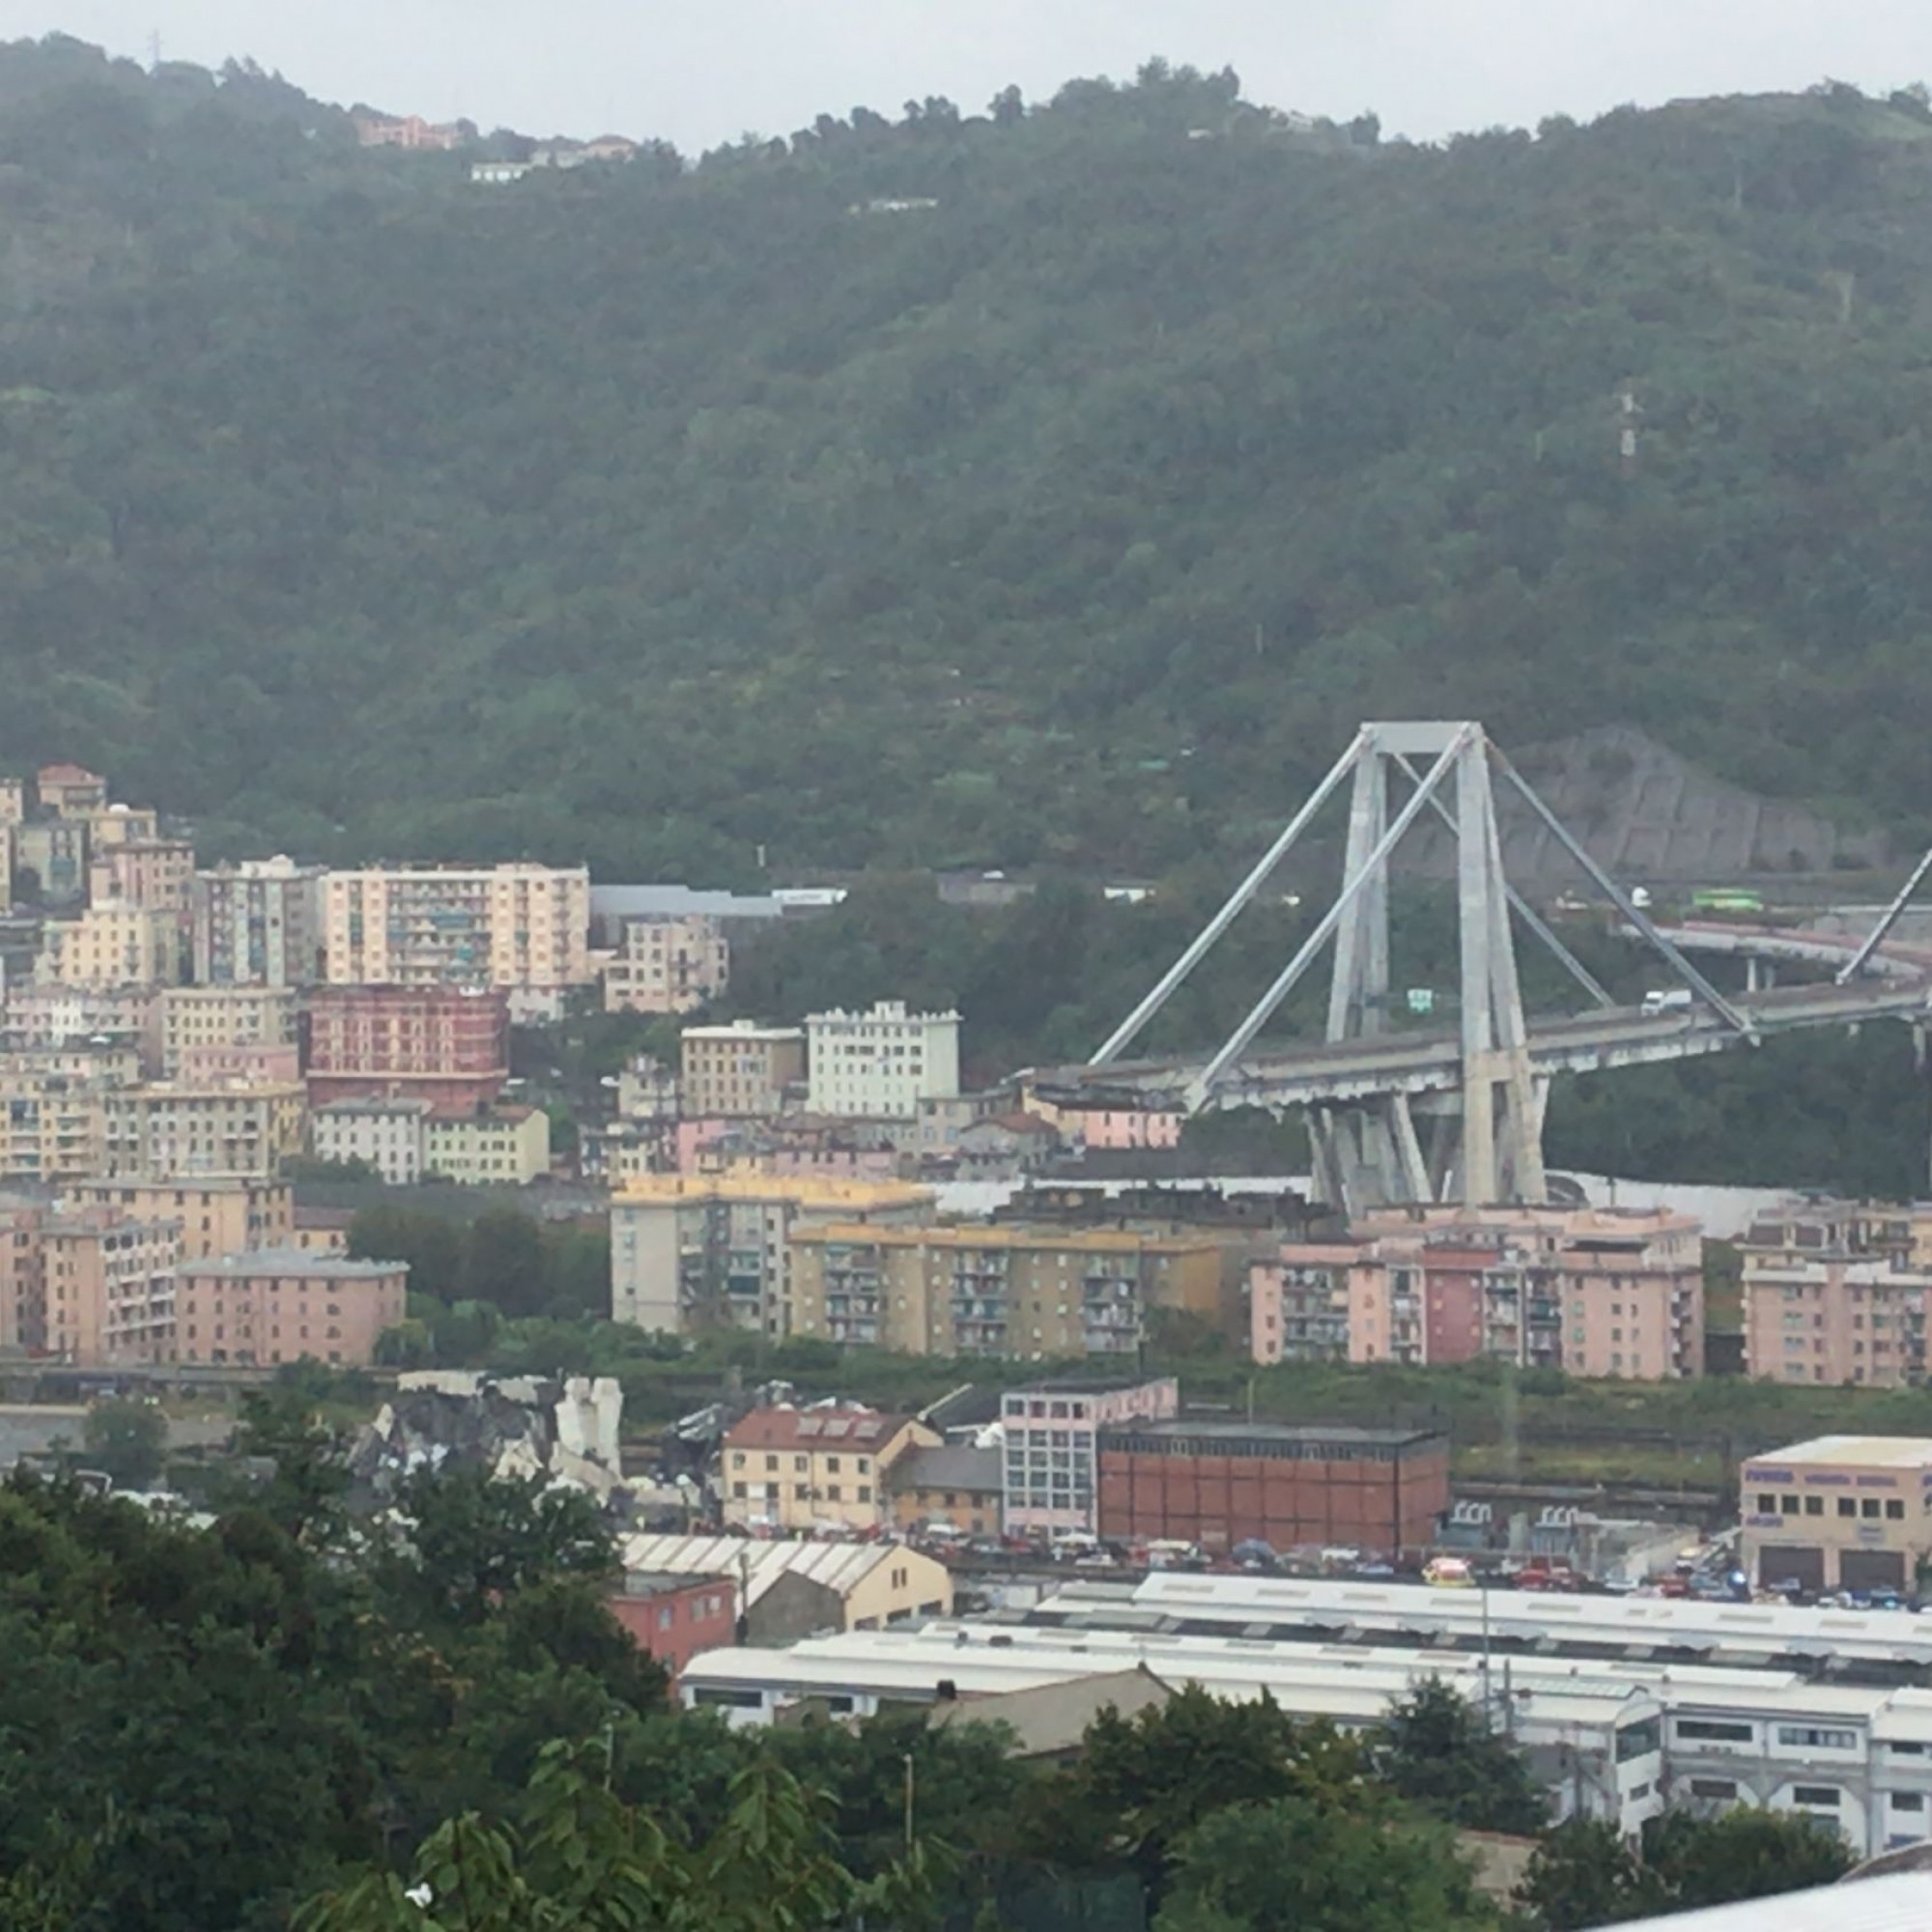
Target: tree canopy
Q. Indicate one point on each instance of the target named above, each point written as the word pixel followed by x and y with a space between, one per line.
pixel 1053 484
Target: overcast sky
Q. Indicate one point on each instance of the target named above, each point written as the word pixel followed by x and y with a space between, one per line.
pixel 701 72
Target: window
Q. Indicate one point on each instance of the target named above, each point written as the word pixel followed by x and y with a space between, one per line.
pixel 865 1493
pixel 1907 1801
pixel 738 1491
pixel 1847 1506
pixel 665 1616
pixel 1813 1738
pixel 1639 1740
pixel 1814 1505
pixel 1710 1731
pixel 1868 1507
pixel 1815 1794
pixel 1788 1505
pixel 1895 1509
pixel 1712 1787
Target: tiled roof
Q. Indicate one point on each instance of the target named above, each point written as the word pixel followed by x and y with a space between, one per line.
pixel 819 1428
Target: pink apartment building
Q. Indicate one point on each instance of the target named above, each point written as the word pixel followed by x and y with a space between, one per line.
pixel 1593 1292
pixel 283 1304
pixel 1838 1291
pixel 1109 1127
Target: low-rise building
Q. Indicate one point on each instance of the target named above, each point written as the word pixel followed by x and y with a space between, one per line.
pixel 691 1253
pixel 669 964
pixel 676 1617
pixel 1219 1484
pixel 881 1064
pixel 744 1069
pixel 953 1486
pixel 788 1587
pixel 1050 1447
pixel 1839 1513
pixel 199 1020
pixel 168 1131
pixel 285 1305
pixel 1107 1124
pixel 1011 1290
pixel 491 1146
pixel 390 1137
pixel 222 1214
pixel 824 1467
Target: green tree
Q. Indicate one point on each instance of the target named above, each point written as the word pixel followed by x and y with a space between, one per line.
pixel 309 1482
pixel 504 1263
pixel 1301 1865
pixel 128 1438
pixel 1436 1752
pixel 1583 1873
pixel 1746 1853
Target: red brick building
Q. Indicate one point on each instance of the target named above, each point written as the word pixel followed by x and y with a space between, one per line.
pixel 448 1045
pixel 1217 1484
pixel 674 1616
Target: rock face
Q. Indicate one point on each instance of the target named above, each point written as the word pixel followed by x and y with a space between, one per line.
pixel 511 1425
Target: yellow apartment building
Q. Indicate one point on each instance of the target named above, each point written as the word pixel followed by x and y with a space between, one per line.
pixel 501 1147
pixel 189 1018
pixel 153 874
pixel 817 1467
pixel 109 1290
pixel 692 1252
pixel 224 1214
pixel 52 1127
pixel 739 1069
pixel 109 946
pixel 165 1131
pixel 1026 1292
pixel 667 965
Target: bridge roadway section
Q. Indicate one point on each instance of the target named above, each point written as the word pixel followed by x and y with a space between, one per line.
pixel 1417 1061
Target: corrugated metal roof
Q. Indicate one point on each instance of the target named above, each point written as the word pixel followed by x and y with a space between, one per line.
pixel 757 1565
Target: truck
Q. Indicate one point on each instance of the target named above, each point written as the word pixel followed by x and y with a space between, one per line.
pixel 1665 1000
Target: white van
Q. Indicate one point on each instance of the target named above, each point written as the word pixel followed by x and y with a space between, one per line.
pixel 1674 999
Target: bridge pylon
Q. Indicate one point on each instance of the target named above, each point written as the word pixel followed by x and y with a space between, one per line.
pixel 1484 1140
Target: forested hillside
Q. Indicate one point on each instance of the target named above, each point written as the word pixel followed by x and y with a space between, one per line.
pixel 651 513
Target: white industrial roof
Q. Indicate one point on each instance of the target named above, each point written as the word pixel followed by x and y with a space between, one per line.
pixel 756 1565
pixel 1868 1451
pixel 1900 1903
pixel 1635 1621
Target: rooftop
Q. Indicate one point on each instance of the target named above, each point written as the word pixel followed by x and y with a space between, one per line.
pixel 1016 1234
pixel 823 1427
pixel 1865 1452
pixel 264 1262
pixel 743 1030
pixel 951 1466
pixel 661 1582
pixel 800 1190
pixel 757 1565
pixel 621 902
pixel 1340 1435
pixel 373 1104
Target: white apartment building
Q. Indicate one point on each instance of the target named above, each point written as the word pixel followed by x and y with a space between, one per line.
pixel 515 926
pixel 881 1065
pixel 495 1147
pixel 389 1136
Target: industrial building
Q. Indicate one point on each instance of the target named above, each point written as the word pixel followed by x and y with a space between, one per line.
pixel 1838 1513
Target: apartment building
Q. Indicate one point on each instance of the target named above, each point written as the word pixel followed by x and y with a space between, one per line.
pixel 167 1131
pixel 448 1045
pixel 881 1064
pixel 53 1125
pixel 219 1215
pixel 1839 1513
pixel 41 1015
pixel 23 1313
pixel 49 861
pixel 388 1136
pixel 492 1146
pixel 70 791
pixel 110 946
pixel 825 1466
pixel 1838 1291
pixel 286 1305
pixel 258 924
pixel 13 801
pixel 154 874
pixel 1049 1443
pixel 688 1253
pixel 1030 1293
pixel 1593 1292
pixel 1106 1123
pixel 732 1071
pixel 512 926
pixel 109 1289
pixel 667 964
pixel 188 1018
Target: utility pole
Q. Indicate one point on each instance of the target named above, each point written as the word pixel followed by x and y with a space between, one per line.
pixel 909 1792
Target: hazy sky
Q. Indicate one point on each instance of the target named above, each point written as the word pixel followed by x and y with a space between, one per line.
pixel 701 72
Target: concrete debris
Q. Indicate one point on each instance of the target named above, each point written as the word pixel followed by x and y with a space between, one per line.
pixel 514 1426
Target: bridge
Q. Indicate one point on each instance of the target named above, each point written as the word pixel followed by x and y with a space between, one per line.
pixel 1438 1113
